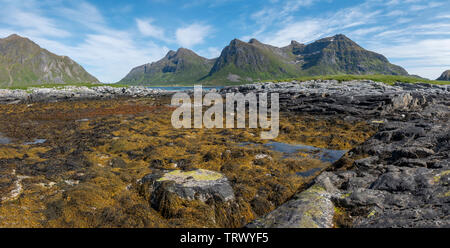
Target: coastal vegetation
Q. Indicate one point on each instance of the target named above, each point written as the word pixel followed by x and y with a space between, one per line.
pixel 85 171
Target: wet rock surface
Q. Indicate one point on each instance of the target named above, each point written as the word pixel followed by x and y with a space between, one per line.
pixel 310 209
pixel 399 177
pixel 84 174
pixel 352 98
pixel 405 180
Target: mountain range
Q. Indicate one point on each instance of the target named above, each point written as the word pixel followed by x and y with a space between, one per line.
pixel 241 62
pixel 24 63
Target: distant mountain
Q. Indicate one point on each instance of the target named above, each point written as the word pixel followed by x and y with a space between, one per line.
pixel 241 62
pixel 445 76
pixel 181 66
pixel 340 55
pixel 24 63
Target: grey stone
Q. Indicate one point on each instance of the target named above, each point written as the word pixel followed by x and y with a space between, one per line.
pixel 311 208
pixel 197 184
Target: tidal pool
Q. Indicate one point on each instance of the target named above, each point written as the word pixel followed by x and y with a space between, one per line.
pixel 4 140
pixel 36 141
pixel 290 150
pixel 293 151
pixel 308 173
pixel 184 88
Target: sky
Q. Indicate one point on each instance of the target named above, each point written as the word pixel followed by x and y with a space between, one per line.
pixel 110 37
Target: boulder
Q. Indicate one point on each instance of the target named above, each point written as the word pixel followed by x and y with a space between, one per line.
pixel 311 208
pixel 202 198
pixel 205 186
pixel 198 184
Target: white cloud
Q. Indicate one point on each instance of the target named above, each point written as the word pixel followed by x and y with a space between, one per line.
pixel 82 12
pixel 365 31
pixel 210 52
pixel 276 13
pixel 27 17
pixel 192 35
pixel 443 16
pixel 79 29
pixel 396 13
pixel 419 7
pixel 310 29
pixel 300 31
pixel 380 26
pixel 427 58
pixel 109 58
pixel 148 29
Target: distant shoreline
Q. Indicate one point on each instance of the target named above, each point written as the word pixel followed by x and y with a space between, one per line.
pixel 62 93
pixel 387 79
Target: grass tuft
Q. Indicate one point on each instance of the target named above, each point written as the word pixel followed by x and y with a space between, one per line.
pixel 388 79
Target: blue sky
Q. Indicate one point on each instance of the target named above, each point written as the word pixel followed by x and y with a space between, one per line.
pixel 110 37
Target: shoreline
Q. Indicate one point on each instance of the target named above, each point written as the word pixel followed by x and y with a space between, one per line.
pixel 11 96
pixel 75 93
pixel 397 177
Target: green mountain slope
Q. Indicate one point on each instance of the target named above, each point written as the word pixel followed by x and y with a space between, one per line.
pixel 241 62
pixel 340 55
pixel 182 66
pixel 24 63
pixel 445 76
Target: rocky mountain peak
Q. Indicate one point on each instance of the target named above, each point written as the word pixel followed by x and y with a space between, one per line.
pixel 24 63
pixel 254 41
pixel 15 41
pixel 170 53
pixel 296 43
pixel 237 42
pixel 186 52
pixel 254 60
pixel 445 76
pixel 180 66
pixel 13 36
pixel 340 37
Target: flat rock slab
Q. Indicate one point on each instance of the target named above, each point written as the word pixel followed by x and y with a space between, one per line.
pixel 197 184
pixel 311 208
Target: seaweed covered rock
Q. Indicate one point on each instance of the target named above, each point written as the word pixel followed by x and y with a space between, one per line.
pixel 197 195
pixel 311 208
pixel 203 185
pixel 399 177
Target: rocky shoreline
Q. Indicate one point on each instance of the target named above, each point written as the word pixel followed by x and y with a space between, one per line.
pixel 75 93
pixel 397 178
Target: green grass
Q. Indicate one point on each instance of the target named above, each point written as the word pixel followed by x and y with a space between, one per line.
pixel 388 79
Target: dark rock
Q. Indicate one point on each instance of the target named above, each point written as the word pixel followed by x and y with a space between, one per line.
pixel 309 209
pixel 117 163
pixel 404 179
